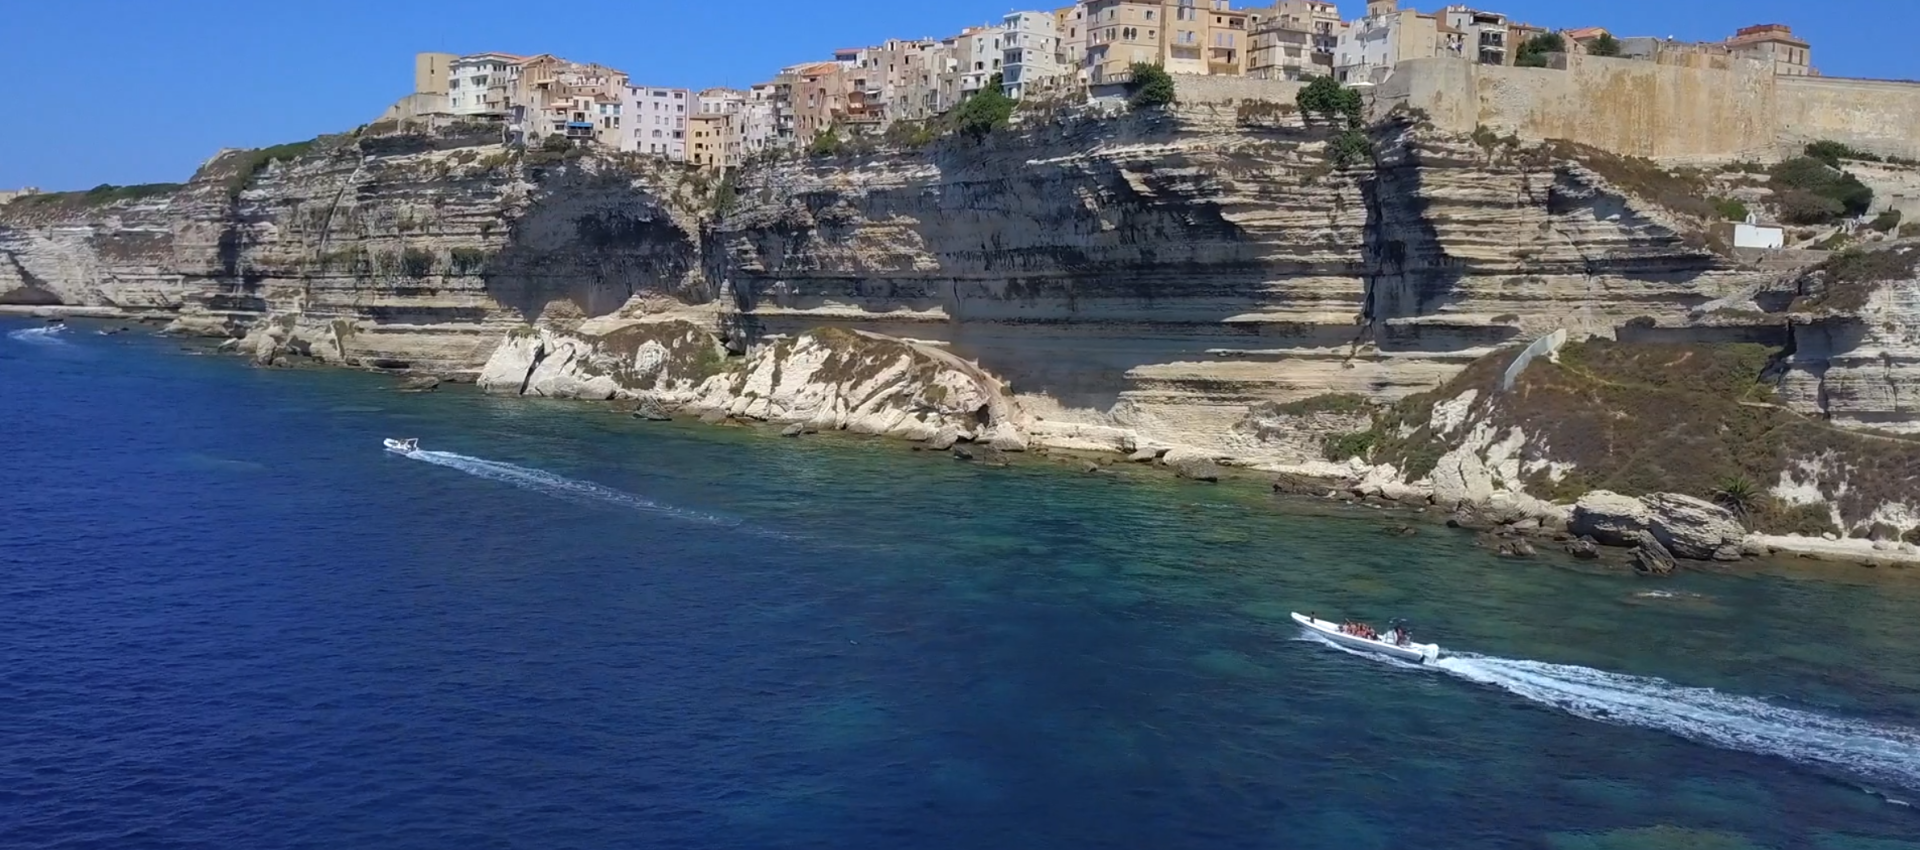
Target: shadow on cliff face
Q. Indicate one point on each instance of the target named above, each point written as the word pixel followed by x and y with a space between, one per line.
pixel 1406 268
pixel 1059 269
pixel 594 241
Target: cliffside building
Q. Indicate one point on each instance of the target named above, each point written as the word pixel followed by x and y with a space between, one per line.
pixel 1483 37
pixel 483 84
pixel 432 72
pixel 1387 36
pixel 1776 45
pixel 1030 54
pixel 656 122
pixel 1281 48
pixel 1773 45
pixel 1320 18
pixel 1182 36
pixel 1070 25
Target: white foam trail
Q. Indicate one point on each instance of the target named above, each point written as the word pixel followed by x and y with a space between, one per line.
pixel 49 335
pixel 1880 751
pixel 560 486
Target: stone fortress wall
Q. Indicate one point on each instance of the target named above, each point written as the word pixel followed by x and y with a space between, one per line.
pixel 1633 107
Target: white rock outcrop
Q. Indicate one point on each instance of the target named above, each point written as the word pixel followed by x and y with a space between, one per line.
pixel 1692 528
pixel 1610 518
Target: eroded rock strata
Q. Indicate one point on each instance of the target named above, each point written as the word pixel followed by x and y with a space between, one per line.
pixel 1194 281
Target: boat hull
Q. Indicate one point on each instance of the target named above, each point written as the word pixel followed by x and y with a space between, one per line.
pixel 402 446
pixel 1417 653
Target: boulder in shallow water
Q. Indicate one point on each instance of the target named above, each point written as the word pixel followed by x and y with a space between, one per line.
pixel 1584 548
pixel 945 438
pixel 794 430
pixel 1192 465
pixel 651 411
pixel 1650 557
pixel 1006 438
pixel 713 417
pixel 1144 456
pixel 424 384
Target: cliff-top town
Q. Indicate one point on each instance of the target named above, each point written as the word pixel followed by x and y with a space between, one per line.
pixel 1072 53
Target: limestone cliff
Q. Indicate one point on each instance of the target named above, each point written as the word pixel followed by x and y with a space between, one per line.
pixel 1160 280
pixel 413 251
pixel 1152 280
pixel 826 379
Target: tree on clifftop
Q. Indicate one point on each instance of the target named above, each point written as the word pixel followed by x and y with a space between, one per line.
pixel 1605 45
pixel 1151 86
pixel 1533 52
pixel 988 110
pixel 1327 98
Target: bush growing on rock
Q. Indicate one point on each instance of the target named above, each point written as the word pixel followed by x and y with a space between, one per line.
pixel 1333 102
pixel 1810 191
pixel 1151 86
pixel 1605 45
pixel 1534 51
pixel 988 110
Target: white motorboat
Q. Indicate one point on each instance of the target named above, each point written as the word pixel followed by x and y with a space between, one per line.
pixel 403 446
pixel 1402 649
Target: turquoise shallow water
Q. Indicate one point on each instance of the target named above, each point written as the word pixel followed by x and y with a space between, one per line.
pixel 232 621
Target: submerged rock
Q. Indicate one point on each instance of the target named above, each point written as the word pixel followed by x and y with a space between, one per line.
pixel 425 384
pixel 794 430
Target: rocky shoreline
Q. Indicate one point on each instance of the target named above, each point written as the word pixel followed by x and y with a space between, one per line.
pixel 1656 535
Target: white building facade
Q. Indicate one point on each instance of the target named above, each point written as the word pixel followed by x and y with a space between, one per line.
pixel 482 83
pixel 656 121
pixel 1030 53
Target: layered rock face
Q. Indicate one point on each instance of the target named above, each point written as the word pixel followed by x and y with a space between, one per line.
pixel 1146 281
pixel 826 379
pixel 1860 367
pixel 1153 280
pixel 399 252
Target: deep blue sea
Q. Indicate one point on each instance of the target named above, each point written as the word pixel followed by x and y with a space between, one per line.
pixel 229 619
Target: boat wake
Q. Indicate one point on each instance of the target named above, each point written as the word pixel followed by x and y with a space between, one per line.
pixel 1882 752
pixel 49 335
pixel 561 487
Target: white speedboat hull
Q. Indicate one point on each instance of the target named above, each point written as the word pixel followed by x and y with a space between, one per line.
pixel 1417 653
pixel 402 446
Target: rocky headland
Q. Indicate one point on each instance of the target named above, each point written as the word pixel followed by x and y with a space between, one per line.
pixel 1200 286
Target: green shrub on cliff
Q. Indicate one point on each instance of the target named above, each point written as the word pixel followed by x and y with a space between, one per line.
pixel 255 161
pixel 1647 418
pixel 1151 86
pixel 827 143
pixel 416 263
pixel 1534 51
pixel 1831 153
pixel 1331 101
pixel 986 111
pixel 1731 209
pixel 1810 191
pixel 1350 148
pixel 1605 45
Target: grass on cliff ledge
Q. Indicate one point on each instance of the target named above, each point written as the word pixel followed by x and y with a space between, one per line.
pixel 101 195
pixel 1843 282
pixel 1639 419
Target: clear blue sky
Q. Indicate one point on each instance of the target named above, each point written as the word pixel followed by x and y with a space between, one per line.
pixel 138 91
